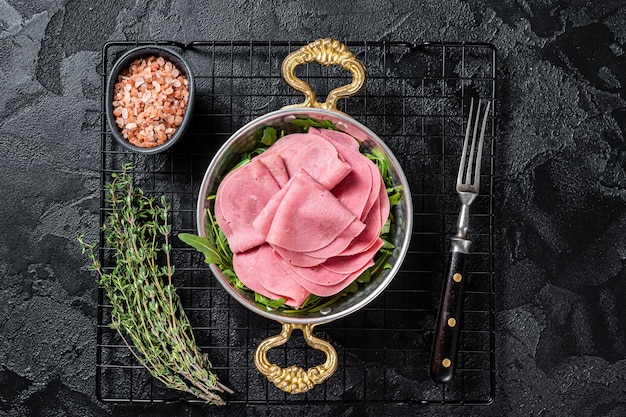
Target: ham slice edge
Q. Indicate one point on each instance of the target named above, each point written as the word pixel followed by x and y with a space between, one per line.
pixel 260 271
pixel 236 209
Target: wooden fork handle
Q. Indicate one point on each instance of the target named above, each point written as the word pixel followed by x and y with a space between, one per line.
pixel 449 321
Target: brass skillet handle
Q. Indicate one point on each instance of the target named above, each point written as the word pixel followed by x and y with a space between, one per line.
pixel 325 52
pixel 295 380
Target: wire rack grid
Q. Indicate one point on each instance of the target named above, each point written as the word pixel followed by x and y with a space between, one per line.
pixel 416 99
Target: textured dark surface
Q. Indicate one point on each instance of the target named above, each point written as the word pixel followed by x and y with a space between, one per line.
pixel 561 188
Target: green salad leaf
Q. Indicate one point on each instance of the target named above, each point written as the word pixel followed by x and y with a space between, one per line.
pixel 203 245
pixel 305 123
pixel 269 136
pixel 268 302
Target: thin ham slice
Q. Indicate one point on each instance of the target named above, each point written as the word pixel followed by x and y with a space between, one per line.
pixel 337 138
pixel 316 257
pixel 240 198
pixel 320 281
pixel 276 166
pixel 312 153
pixel 355 191
pixel 377 186
pixel 221 220
pixel 341 242
pixel 319 276
pixel 352 241
pixel 385 206
pixel 309 217
pixel 260 271
pixel 244 264
pixel 348 264
pixel 298 258
pixel 369 235
pixel 264 219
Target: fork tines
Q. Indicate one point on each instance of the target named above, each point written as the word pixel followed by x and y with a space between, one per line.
pixel 473 156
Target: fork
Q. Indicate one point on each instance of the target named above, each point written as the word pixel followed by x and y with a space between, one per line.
pixel 447 333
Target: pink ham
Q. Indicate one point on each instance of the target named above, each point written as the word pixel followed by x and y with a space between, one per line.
pixel 319 275
pixel 320 281
pixel 221 220
pixel 341 242
pixel 304 217
pixel 314 154
pixel 244 264
pixel 264 219
pixel 377 185
pixel 316 257
pixel 384 203
pixel 298 258
pixel 240 198
pixel 369 235
pixel 349 243
pixel 260 271
pixel 337 138
pixel 276 166
pixel 309 217
pixel 356 189
pixel 347 264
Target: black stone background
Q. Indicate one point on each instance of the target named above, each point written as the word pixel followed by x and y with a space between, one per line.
pixel 561 188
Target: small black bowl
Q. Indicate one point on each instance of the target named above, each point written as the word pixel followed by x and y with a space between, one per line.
pixel 124 62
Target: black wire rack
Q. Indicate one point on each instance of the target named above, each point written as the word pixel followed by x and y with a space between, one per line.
pixel 416 99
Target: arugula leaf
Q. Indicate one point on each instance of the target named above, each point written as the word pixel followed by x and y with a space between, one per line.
pixel 247 156
pixel 305 123
pixel 352 288
pixel 268 302
pixel 386 227
pixel 269 136
pixel 202 245
pixel 382 162
pixel 365 277
pixel 388 245
pixel 394 194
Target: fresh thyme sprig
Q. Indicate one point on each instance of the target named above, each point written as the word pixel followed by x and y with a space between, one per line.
pixel 145 306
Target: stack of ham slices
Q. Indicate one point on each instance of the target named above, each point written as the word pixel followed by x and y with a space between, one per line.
pixel 304 217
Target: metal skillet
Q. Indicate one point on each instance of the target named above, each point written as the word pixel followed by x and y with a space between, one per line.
pixel 294 379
